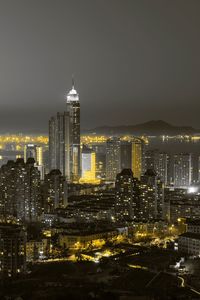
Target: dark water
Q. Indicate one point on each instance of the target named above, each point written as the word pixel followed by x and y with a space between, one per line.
pixel 172 146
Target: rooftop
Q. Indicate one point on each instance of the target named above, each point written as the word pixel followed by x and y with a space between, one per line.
pixel 72 95
pixel 191 235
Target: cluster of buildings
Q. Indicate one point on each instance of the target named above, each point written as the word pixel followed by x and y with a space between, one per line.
pixel 117 182
pixel 189 241
pixel 172 169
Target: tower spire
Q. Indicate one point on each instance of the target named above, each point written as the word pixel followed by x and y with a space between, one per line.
pixel 73 82
pixel 72 95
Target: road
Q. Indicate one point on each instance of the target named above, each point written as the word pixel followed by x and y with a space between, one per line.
pixel 184 284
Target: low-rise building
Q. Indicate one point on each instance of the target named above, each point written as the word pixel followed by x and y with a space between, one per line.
pixel 12 250
pixel 189 243
pixel 193 226
pixel 185 208
pixel 85 239
pixel 36 249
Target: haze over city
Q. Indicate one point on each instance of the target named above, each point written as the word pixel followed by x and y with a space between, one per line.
pixel 132 62
pixel 99 150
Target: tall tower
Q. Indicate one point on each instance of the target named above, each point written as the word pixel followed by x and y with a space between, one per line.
pixel 182 164
pixel 137 157
pixel 73 110
pixel 64 138
pixel 124 186
pixel 113 163
pixel 59 143
pixel 151 196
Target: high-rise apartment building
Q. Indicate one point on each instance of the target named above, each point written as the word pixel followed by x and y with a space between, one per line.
pixel 126 196
pixel 182 167
pixel 54 191
pixel 20 190
pixel 158 161
pixel 126 151
pixel 151 196
pixel 137 157
pixel 100 151
pixel 64 139
pixel 113 158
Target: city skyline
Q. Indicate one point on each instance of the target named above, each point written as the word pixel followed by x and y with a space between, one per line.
pixel 99 149
pixel 152 62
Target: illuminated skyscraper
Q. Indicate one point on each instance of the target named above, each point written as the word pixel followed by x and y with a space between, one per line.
pixel 73 141
pixel 137 157
pixel 64 139
pixel 59 143
pixel 113 157
pixel 88 166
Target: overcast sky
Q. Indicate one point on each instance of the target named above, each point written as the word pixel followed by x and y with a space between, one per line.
pixel 133 60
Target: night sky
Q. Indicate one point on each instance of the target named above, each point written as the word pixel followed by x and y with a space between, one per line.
pixel 133 61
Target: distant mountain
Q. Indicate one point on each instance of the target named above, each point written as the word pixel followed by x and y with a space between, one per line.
pixel 154 127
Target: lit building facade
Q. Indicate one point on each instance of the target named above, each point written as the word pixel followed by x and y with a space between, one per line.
pixel 84 240
pixel 88 166
pixel 126 198
pixel 188 207
pixel 137 157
